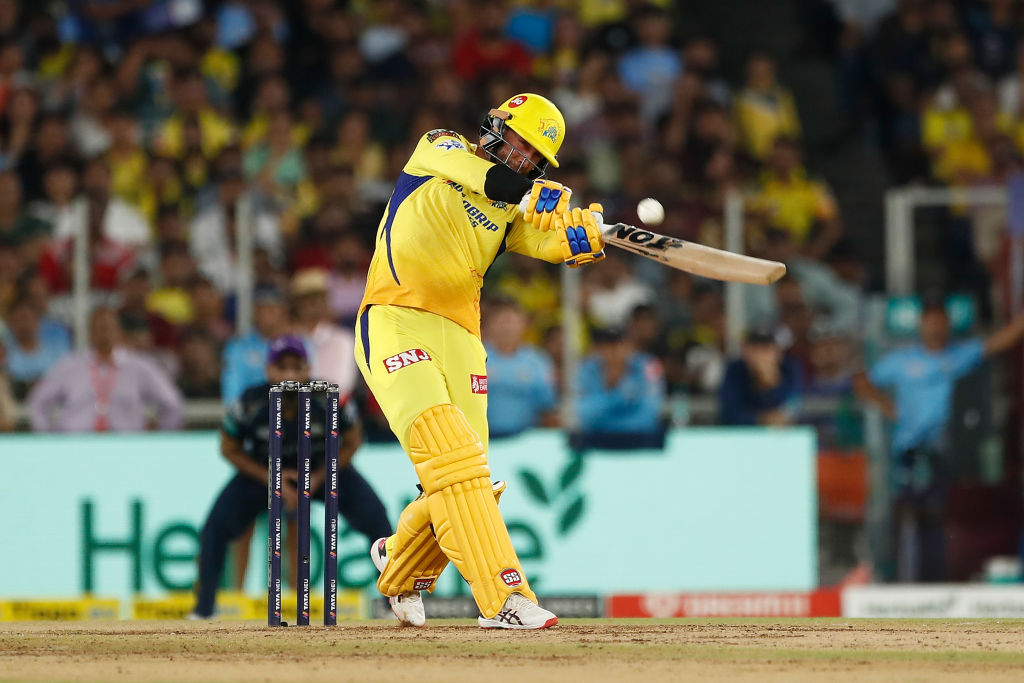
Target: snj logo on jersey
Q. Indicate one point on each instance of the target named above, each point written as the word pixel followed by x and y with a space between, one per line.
pixel 478 383
pixel 549 129
pixel 405 359
pixel 516 101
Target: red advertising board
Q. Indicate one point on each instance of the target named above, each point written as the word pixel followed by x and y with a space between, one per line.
pixel 822 603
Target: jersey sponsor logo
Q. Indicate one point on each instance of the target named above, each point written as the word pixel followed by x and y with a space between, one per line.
pixel 449 145
pixel 517 101
pixel 478 383
pixel 511 577
pixel 422 584
pixel 441 133
pixel 548 129
pixel 477 218
pixel 405 359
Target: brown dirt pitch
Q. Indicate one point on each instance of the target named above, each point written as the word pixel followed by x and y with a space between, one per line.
pixel 769 650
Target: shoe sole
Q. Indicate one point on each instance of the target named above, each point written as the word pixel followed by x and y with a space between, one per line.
pixel 489 626
pixel 375 556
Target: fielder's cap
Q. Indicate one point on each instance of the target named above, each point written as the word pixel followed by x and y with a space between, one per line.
pixel 309 281
pixel 285 345
pixel 607 335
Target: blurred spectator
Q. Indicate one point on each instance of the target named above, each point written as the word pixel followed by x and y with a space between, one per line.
pixel 788 200
pixel 347 278
pixel 331 347
pixel 105 388
pixel 199 366
pixel 31 350
pixel 208 310
pixel 765 110
pixel 651 68
pixel 88 126
pixel 213 231
pixel 49 145
pixel 520 379
pixel 762 386
pixel 529 282
pixel 994 28
pixel 484 50
pixel 7 404
pixel 646 333
pixel 170 299
pixel 276 164
pixel 831 362
pixel 192 109
pixel 821 288
pixel 17 224
pixel 244 356
pixel 914 388
pixel 621 391
pixel 612 292
pixel 146 328
pixel 115 219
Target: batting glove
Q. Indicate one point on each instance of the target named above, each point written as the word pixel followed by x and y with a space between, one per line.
pixel 580 234
pixel 546 200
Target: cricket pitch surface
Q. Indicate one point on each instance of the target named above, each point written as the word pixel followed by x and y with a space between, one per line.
pixel 583 650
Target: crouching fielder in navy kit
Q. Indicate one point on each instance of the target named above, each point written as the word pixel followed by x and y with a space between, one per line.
pixel 455 208
pixel 245 444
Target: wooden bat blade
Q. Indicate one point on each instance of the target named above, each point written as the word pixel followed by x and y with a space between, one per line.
pixel 698 259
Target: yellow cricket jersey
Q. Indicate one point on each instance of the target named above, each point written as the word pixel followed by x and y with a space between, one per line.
pixel 440 233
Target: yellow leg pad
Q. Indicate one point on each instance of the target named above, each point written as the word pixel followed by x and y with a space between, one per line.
pixel 473 535
pixel 453 472
pixel 445 450
pixel 415 560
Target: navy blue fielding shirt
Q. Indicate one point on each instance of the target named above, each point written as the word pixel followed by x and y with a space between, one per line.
pixel 248 420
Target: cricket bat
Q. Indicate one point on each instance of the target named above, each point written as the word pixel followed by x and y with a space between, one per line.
pixel 716 264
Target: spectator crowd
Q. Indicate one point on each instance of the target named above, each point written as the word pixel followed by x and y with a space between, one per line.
pixel 153 134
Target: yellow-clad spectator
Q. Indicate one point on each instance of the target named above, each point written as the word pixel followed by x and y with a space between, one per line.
pixel 531 286
pixel 222 67
pixel 272 96
pixel 192 108
pixel 128 162
pixel 171 299
pixel 945 118
pixel 765 109
pixel 787 199
pixel 597 12
pixel 963 160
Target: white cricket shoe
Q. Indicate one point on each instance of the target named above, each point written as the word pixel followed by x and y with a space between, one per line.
pixel 408 606
pixel 519 612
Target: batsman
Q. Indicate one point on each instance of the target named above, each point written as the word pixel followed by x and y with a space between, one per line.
pixel 456 206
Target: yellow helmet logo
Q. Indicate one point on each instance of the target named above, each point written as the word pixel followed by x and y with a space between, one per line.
pixel 537 120
pixel 548 128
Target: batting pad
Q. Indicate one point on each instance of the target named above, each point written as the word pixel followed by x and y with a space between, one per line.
pixel 452 467
pixel 415 560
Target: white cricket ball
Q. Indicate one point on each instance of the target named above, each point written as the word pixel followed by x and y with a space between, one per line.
pixel 650 211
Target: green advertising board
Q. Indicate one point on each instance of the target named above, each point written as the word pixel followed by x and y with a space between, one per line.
pixel 718 509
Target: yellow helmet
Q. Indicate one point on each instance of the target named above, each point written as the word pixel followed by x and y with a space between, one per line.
pixel 535 118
